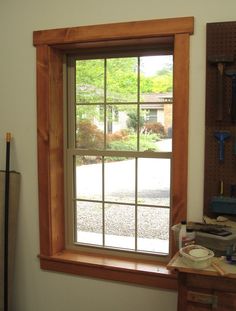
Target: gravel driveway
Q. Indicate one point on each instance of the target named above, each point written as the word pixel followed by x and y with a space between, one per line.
pixel 153 188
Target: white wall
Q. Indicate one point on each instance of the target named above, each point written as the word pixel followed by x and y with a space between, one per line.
pixel 37 290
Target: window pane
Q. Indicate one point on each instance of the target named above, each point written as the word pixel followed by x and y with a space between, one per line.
pixel 89 127
pixel 88 177
pixel 153 229
pixel 156 131
pixel 156 78
pixel 154 181
pixel 120 179
pixel 156 95
pixel 122 123
pixel 119 226
pixel 122 82
pixel 89 223
pixel 90 81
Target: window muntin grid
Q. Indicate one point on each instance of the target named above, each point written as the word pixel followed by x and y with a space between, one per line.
pixel 101 154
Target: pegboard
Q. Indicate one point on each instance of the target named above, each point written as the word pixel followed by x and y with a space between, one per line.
pixel 220 175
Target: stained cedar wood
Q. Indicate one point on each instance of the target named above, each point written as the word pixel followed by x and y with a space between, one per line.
pixel 193 287
pixel 43 149
pixel 127 30
pixel 180 133
pixel 50 150
pixel 50 147
pixel 111 268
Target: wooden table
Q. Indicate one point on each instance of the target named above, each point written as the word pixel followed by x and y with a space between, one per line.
pixel 202 290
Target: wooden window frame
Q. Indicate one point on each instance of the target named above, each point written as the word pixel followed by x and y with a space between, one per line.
pixel 51 46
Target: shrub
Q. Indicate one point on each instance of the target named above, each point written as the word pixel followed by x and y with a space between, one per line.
pixel 118 135
pixel 89 136
pixel 154 128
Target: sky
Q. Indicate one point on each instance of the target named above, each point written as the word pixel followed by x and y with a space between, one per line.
pixel 151 64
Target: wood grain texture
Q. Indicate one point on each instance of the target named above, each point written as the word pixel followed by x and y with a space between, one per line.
pixel 43 149
pixel 116 31
pixel 111 268
pixel 180 129
pixel 53 255
pixel 204 292
pixel 50 150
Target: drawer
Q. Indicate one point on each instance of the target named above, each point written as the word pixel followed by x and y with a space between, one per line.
pixel 210 282
pixel 201 293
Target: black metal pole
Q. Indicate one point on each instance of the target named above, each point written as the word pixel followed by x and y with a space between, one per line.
pixel 6 220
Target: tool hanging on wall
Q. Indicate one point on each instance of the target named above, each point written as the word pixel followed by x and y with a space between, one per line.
pixel 221 137
pixel 221 192
pixel 220 62
pixel 6 220
pixel 232 74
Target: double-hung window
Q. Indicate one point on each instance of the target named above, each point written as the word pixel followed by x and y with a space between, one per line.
pixel 120 149
pixel 112 125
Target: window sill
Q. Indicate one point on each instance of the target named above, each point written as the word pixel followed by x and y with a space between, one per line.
pixel 111 268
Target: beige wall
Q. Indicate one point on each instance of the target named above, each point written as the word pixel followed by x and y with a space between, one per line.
pixel 36 290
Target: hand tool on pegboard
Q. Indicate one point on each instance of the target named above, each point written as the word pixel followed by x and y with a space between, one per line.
pixel 220 62
pixel 221 136
pixel 232 74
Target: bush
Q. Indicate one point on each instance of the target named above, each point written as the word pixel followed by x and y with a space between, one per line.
pixel 130 143
pixel 118 135
pixel 154 128
pixel 89 136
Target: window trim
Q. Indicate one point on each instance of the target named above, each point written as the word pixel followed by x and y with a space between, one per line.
pixel 50 48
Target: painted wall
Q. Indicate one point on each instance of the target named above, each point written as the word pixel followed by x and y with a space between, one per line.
pixel 36 290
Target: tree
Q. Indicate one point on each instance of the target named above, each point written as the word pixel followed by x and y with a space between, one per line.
pixel 133 120
pixel 121 80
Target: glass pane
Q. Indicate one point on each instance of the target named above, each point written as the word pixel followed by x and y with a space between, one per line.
pixel 89 223
pixel 88 175
pixel 156 132
pixel 156 78
pixel 120 226
pixel 89 127
pixel 154 181
pixel 119 179
pixel 122 123
pixel 90 81
pixel 153 229
pixel 156 95
pixel 122 82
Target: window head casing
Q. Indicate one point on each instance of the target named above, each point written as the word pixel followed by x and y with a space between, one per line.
pixel 51 46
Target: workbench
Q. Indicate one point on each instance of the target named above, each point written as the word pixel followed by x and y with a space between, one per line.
pixel 206 289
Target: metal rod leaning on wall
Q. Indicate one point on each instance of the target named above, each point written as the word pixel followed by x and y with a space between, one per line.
pixel 6 219
pixel 12 201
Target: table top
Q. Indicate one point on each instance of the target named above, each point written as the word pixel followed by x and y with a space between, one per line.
pixel 219 267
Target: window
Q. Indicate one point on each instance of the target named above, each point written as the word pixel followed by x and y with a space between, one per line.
pixel 121 168
pixel 52 46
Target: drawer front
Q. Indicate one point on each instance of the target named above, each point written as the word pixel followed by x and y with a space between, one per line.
pixel 196 307
pixel 218 301
pixel 202 293
pixel 211 283
pixel 226 301
pixel 210 300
